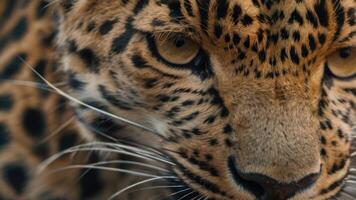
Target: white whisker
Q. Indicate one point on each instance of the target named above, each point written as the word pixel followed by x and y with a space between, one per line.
pixel 350 176
pixel 351 181
pixel 132 172
pixel 140 183
pixel 58 130
pixel 131 163
pixel 73 99
pixel 197 197
pixel 158 187
pixel 29 84
pixel 343 193
pixel 180 191
pixel 50 160
pixel 136 150
pixel 353 154
pixel 190 193
pixel 141 146
pixel 203 197
pixel 118 146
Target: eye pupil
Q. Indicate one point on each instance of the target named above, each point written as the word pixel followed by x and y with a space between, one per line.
pixel 345 52
pixel 179 42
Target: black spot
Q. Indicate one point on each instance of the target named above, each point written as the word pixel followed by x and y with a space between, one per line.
pixel 284 34
pixel 141 4
pixel 283 54
pixel 91 183
pixel 294 55
pixel 120 43
pixel 34 122
pixel 263 18
pixel 90 59
pixel 91 26
pixel 242 55
pixel 16 176
pixel 312 19
pixel 322 13
pixel 224 112
pixel 274 37
pixel 203 6
pixel 262 56
pixel 296 36
pixel 210 119
pixel 42 9
pixel 150 82
pixel 218 31
pixel 13 66
pixel 209 157
pixel 20 29
pixel 247 20
pixel 236 13
pixel 4 135
pixel 41 150
pixel 305 51
pixel 236 38
pixel 74 82
pixel 213 142
pixel 295 16
pixel 340 17
pixel 351 13
pixel 67 5
pixel 188 103
pixel 72 46
pixel 113 99
pixel 188 7
pixel 312 43
pixel 158 22
pixel 6 102
pixel 227 129
pixel 67 140
pixel 175 10
pixel 322 38
pixel 7 11
pixel 247 42
pixel 323 140
pixel 227 38
pixel 222 8
pixel 256 3
pixel 228 142
pixel 107 26
pixel 138 61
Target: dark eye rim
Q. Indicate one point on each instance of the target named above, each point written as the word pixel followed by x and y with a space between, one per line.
pixel 153 48
pixel 330 73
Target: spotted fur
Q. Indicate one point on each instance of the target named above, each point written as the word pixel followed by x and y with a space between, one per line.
pixel 258 114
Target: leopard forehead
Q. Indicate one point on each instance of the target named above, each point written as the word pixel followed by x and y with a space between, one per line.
pixel 266 39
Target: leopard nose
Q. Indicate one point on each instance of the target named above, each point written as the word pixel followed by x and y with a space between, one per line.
pixel 274 190
pixel 267 188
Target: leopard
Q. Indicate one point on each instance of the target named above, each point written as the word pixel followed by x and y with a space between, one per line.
pixel 178 99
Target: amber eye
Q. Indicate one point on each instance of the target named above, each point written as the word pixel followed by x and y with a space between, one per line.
pixel 177 50
pixel 342 63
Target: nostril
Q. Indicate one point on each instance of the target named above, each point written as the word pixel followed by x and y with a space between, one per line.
pixel 279 191
pixel 251 186
pixel 266 188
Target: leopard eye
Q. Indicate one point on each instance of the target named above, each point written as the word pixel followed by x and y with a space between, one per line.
pixel 342 63
pixel 177 50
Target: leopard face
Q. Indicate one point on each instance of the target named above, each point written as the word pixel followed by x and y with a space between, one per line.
pixel 248 99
